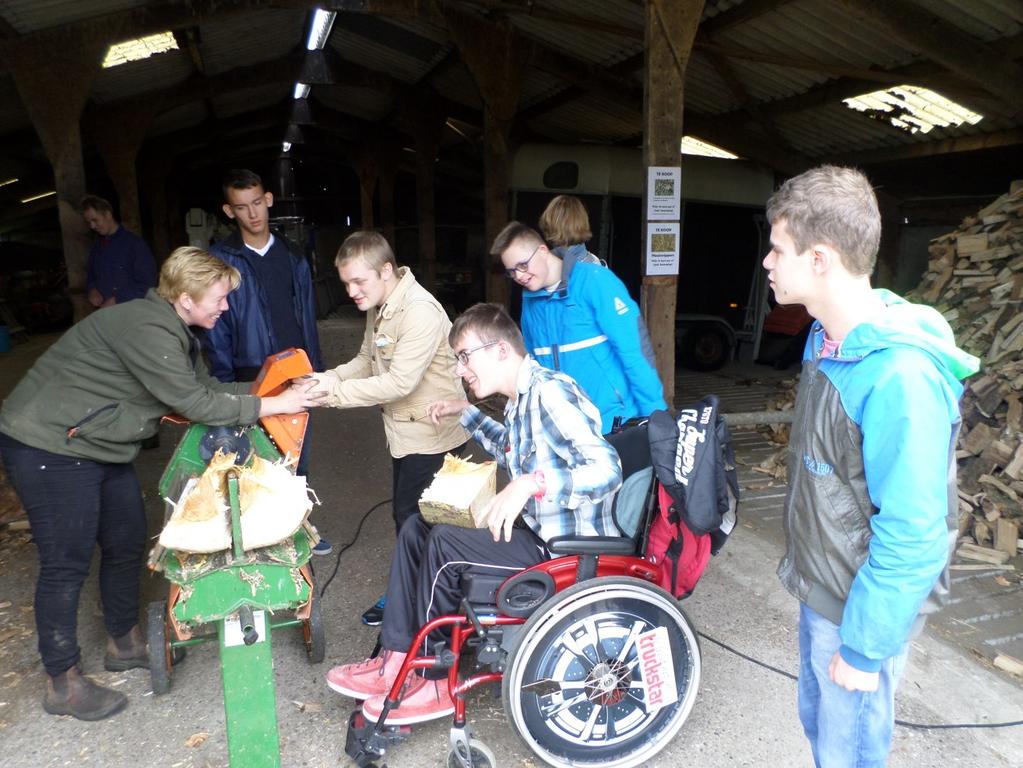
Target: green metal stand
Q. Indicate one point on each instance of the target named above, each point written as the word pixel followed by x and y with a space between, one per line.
pixel 249 700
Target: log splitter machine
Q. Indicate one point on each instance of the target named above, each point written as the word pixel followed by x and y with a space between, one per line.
pixel 237 596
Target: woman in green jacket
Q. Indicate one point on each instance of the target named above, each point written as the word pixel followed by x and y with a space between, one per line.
pixel 68 434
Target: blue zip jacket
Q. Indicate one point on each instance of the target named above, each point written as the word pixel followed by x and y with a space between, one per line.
pixel 244 337
pixel 872 511
pixel 590 328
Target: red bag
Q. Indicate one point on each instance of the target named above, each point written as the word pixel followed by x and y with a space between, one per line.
pixel 681 555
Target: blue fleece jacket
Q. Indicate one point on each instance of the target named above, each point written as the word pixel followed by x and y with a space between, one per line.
pixel 590 328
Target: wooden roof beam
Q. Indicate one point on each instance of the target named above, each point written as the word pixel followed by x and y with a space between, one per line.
pixel 739 14
pixel 921 31
pixel 933 148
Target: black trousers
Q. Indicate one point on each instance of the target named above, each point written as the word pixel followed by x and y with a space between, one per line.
pixel 426 566
pixel 73 505
pixel 411 475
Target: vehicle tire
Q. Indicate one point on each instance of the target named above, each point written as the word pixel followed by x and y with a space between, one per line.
pixel 313 633
pixel 577 688
pixel 705 348
pixel 159 649
pixel 482 756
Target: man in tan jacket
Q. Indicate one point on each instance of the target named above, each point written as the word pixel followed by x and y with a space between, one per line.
pixel 405 363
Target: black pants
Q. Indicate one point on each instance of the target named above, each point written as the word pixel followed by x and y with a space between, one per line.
pixel 426 566
pixel 411 475
pixel 73 505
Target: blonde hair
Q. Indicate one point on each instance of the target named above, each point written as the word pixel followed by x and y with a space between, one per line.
pixel 565 221
pixel 193 271
pixel 372 247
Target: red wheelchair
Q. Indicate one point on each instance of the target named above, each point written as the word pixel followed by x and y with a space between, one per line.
pixel 598 666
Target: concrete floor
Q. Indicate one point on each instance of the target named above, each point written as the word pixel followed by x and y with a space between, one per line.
pixel 744 714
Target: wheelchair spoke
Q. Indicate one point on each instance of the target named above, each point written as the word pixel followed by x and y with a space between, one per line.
pixel 638 627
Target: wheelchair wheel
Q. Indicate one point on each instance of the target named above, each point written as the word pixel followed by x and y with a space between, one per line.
pixel 604 674
pixel 482 756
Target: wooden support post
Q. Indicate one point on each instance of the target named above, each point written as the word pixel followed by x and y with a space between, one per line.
pixel 53 81
pixel 388 155
pixel 155 166
pixel 367 171
pixel 494 56
pixel 425 120
pixel 118 134
pixel 670 31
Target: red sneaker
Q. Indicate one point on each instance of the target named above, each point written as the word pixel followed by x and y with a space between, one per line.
pixel 373 677
pixel 421 700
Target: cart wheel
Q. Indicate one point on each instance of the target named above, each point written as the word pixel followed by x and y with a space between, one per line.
pixel 589 678
pixel 313 635
pixel 159 649
pixel 481 755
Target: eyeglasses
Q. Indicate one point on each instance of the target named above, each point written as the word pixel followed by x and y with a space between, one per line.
pixel 463 356
pixel 522 266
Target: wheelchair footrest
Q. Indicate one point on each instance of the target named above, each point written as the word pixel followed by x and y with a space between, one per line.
pixel 365 744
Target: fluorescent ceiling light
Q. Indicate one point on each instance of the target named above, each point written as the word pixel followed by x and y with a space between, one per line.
pixel 301 90
pixel 694 146
pixel 912 109
pixel 319 29
pixel 286 146
pixel 5 182
pixel 39 197
pixel 140 48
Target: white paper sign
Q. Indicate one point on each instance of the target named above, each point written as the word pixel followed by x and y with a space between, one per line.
pixel 662 244
pixel 664 193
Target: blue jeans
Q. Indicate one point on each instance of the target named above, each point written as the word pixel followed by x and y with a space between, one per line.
pixel 74 504
pixel 846 729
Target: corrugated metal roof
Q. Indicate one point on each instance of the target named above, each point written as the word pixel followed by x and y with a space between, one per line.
pixel 761 51
pixel 28 16
pixel 137 77
pixel 263 35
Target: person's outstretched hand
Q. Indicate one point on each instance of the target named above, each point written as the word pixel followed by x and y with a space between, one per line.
pixel 442 408
pixel 301 395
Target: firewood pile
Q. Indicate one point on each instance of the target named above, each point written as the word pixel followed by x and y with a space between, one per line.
pixel 975 279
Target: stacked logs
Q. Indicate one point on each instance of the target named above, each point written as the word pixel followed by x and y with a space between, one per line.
pixel 975 279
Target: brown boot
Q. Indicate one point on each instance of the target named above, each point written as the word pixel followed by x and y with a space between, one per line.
pixel 126 652
pixel 73 694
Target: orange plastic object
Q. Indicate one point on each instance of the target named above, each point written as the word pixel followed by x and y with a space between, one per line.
pixel 286 430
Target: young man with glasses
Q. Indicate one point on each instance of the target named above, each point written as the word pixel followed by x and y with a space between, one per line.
pixel 404 364
pixel 563 475
pixel 578 317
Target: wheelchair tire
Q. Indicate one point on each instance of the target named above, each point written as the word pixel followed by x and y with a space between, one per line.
pixel 482 756
pixel 577 687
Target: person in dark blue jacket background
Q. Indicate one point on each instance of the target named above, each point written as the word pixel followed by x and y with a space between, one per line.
pixel 274 308
pixel 578 317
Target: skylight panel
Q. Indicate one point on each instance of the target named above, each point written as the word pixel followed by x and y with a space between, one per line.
pixel 912 109
pixel 140 48
pixel 694 146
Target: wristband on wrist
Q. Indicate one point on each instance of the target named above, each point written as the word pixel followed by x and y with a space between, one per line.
pixel 541 485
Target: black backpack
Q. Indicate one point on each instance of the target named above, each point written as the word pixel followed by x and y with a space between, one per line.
pixel 694 460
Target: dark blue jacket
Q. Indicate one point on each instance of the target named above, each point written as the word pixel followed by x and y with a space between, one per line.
pixel 244 336
pixel 121 266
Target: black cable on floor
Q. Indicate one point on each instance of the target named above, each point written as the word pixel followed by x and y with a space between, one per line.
pixel 358 530
pixel 903 723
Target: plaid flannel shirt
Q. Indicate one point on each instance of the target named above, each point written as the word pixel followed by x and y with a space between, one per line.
pixel 552 427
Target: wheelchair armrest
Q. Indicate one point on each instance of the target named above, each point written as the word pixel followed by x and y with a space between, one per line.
pixel 591 545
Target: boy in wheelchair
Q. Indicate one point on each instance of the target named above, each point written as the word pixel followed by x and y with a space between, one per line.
pixel 563 477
